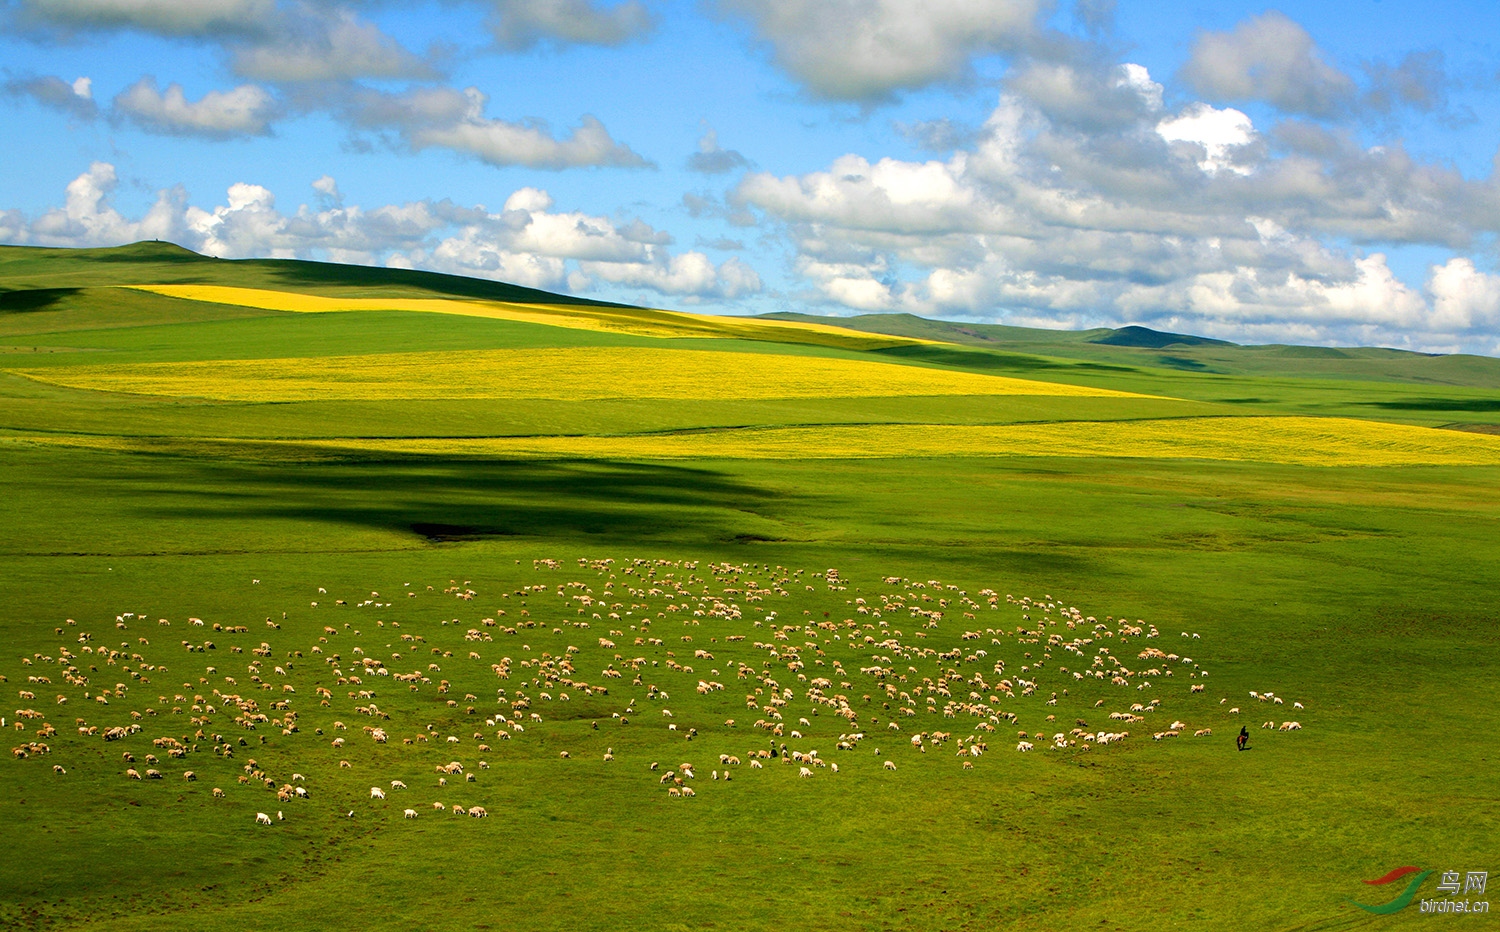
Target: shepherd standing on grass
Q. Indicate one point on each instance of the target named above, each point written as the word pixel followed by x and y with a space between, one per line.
pixel 1242 740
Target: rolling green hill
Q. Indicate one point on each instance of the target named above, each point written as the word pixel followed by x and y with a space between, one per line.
pixel 1005 595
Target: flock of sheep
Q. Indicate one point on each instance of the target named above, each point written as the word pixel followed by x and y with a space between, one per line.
pixel 783 669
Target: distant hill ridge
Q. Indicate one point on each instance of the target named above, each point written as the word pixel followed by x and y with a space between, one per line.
pixel 155 262
pixel 47 285
pixel 981 334
pixel 158 262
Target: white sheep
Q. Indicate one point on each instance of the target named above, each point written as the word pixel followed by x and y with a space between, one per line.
pixel 377 793
pixel 262 819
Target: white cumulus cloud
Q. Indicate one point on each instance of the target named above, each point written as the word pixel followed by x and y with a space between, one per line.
pixel 445 118
pixel 1218 132
pixel 1271 58
pixel 866 50
pixel 1189 219
pixel 329 45
pixel 163 17
pixel 527 241
pixel 521 24
pixel 243 111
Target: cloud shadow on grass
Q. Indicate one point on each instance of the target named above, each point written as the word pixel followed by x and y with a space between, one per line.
pixel 451 499
pixel 1468 405
pixel 33 299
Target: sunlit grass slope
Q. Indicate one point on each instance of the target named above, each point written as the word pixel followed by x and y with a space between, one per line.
pixel 644 321
pixel 565 373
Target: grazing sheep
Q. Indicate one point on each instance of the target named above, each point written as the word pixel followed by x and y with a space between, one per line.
pixel 410 813
pixel 189 776
pixel 805 772
pixel 890 765
pixel 377 793
pixel 397 785
pixel 218 793
pixel 262 819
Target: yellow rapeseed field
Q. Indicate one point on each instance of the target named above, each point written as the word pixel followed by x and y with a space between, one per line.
pixel 640 321
pixel 568 374
pixel 1297 441
pixel 1306 441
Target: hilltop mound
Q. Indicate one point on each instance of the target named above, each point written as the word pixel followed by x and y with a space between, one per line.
pixel 1153 339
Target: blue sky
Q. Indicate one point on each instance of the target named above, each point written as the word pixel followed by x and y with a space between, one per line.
pixel 1314 173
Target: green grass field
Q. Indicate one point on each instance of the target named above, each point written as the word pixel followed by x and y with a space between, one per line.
pixel 450 562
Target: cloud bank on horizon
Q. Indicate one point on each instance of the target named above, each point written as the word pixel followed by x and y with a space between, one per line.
pixel 993 160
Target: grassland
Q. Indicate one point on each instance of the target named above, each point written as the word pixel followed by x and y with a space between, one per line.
pixel 1315 530
pixel 559 373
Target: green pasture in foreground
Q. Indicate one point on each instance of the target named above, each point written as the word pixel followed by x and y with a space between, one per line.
pixel 1364 594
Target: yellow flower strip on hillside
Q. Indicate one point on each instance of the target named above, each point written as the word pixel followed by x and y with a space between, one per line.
pixel 569 374
pixel 640 321
pixel 1303 441
pixel 1298 441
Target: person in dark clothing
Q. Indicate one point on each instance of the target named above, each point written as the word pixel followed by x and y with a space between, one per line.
pixel 1243 740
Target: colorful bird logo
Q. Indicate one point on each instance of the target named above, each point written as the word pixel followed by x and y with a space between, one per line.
pixel 1407 895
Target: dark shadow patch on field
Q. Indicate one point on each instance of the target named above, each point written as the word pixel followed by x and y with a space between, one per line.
pixel 991 360
pixel 438 533
pixel 295 273
pixel 448 500
pixel 1182 362
pixel 33 299
pixel 1471 405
